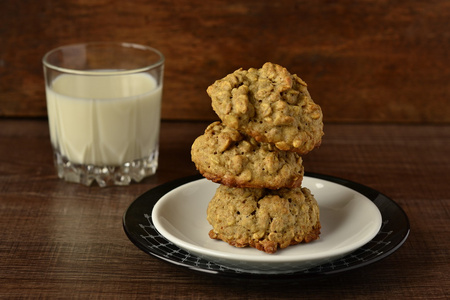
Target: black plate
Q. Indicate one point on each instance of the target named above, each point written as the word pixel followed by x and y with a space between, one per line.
pixel 138 226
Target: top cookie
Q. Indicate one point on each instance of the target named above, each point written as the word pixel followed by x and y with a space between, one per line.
pixel 271 105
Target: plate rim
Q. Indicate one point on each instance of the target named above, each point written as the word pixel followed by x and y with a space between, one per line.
pixel 149 198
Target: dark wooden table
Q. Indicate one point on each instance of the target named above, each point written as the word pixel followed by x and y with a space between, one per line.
pixel 60 239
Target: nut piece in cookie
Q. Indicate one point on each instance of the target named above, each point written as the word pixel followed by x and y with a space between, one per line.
pixel 267 220
pixel 270 105
pixel 224 155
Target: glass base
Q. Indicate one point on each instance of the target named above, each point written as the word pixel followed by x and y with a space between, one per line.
pixel 105 175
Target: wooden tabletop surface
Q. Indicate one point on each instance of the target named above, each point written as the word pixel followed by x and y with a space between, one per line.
pixel 61 240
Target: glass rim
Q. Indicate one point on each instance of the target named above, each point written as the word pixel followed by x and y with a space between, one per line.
pixel 158 63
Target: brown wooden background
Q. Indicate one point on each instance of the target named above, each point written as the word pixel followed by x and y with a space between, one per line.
pixel 364 61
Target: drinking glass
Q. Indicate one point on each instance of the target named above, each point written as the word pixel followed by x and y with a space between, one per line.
pixel 104 111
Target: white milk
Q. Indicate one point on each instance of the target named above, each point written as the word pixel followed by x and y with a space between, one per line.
pixel 104 120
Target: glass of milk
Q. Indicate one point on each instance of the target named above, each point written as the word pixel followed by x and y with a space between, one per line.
pixel 104 107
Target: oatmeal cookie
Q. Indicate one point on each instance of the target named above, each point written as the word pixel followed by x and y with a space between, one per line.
pixel 224 155
pixel 270 105
pixel 265 219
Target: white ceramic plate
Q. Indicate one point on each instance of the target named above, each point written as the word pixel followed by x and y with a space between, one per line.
pixel 349 220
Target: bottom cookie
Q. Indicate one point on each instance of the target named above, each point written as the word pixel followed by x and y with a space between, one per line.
pixel 264 219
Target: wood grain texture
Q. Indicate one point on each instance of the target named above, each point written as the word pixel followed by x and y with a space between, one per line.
pixel 364 61
pixel 63 240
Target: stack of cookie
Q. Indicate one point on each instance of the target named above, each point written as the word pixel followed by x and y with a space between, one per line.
pixel 268 121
